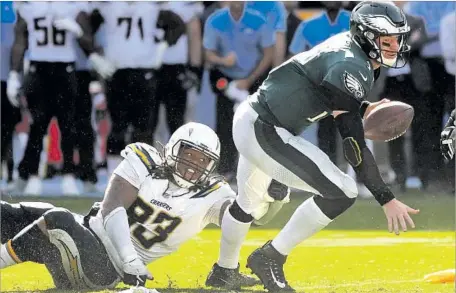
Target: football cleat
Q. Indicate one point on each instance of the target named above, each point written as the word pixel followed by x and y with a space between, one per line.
pixel 267 263
pixel 230 279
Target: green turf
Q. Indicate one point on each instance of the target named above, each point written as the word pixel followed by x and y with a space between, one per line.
pixel 354 254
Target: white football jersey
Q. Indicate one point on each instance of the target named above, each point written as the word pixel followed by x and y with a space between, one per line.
pixel 130 29
pixel 178 54
pixel 46 43
pixel 165 215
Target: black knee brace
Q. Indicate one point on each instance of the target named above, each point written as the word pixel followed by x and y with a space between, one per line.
pixel 239 214
pixel 333 207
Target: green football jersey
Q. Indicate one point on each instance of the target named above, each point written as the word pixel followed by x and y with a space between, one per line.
pixel 335 75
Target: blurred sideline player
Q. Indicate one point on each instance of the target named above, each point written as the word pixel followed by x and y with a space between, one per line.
pixel 49 31
pixel 160 199
pixel 135 36
pixel 333 78
pixel 181 70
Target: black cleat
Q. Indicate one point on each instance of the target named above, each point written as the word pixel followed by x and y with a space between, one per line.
pixel 267 263
pixel 230 279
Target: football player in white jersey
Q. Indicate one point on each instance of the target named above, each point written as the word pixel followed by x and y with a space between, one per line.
pixel 48 31
pixel 159 199
pixel 135 36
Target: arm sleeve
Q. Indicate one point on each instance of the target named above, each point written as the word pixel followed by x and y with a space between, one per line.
pixel 172 24
pixel 298 43
pixel 281 17
pixel 351 129
pixel 267 36
pixel 210 36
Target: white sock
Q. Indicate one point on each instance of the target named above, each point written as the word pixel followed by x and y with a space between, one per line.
pixel 5 258
pixel 233 234
pixel 307 220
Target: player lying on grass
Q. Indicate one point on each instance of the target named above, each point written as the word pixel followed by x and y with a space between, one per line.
pixel 332 79
pixel 154 202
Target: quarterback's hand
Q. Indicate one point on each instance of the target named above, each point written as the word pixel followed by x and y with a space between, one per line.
pixel 398 213
pixel 69 25
pixel 136 273
pixel 102 65
pixel 13 86
pixel 447 141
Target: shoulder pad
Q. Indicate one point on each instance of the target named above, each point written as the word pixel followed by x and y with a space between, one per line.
pixel 142 154
pixel 214 185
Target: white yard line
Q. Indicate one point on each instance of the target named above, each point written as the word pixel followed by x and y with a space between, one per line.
pixel 366 283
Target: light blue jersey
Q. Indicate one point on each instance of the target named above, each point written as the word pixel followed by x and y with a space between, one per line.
pixel 274 12
pixel 246 37
pixel 314 31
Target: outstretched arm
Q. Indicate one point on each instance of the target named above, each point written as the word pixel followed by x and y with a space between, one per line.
pixel 363 162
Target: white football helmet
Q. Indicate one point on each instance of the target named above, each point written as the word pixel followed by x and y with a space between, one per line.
pixel 198 137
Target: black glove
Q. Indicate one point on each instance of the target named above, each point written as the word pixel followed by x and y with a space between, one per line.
pixel 191 78
pixel 447 141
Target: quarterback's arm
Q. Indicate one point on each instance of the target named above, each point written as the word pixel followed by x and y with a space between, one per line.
pixel 20 44
pixel 360 157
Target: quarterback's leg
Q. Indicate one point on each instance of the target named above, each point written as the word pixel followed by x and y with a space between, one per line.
pixel 296 163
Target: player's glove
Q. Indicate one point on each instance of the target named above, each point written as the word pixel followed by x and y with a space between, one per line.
pixel 191 78
pixel 69 25
pixel 13 86
pixel 102 65
pixel 136 273
pixel 447 141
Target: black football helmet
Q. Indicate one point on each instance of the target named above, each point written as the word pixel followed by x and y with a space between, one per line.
pixel 370 20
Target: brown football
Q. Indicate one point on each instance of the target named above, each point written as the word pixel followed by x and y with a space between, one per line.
pixel 388 121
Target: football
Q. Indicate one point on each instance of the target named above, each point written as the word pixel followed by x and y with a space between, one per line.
pixel 388 121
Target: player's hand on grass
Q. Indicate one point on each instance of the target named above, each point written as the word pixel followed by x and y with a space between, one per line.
pixel 136 273
pixel 374 105
pixel 397 214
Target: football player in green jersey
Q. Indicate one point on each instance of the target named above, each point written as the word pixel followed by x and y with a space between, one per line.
pixel 332 79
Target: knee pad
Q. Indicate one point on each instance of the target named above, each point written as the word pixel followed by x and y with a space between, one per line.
pixel 239 214
pixel 333 207
pixel 59 218
pixel 277 190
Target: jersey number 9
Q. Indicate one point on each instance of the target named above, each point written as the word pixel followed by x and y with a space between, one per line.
pixel 141 213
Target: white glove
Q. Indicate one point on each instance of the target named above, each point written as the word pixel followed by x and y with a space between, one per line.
pixel 102 65
pixel 236 94
pixel 12 88
pixel 70 25
pixel 135 272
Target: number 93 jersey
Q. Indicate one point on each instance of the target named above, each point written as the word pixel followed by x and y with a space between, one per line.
pixel 46 43
pixel 165 215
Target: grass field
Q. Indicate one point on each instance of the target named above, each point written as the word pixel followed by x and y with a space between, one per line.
pixel 355 253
